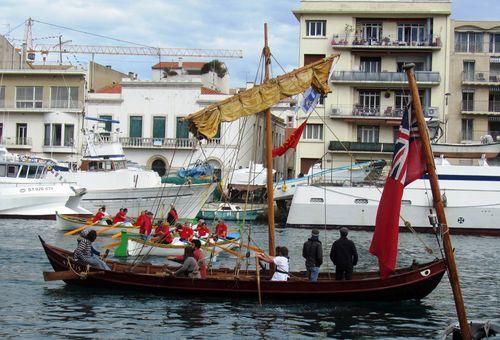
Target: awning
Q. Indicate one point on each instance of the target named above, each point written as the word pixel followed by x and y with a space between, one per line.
pixel 106 120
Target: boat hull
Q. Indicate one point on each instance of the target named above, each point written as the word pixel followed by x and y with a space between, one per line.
pixel 248 215
pixel 67 223
pixel 410 283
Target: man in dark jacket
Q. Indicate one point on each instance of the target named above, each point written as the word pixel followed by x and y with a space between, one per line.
pixel 344 256
pixel 313 253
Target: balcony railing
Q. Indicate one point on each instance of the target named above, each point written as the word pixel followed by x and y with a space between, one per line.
pixel 480 136
pixel 41 106
pixel 168 143
pixel 357 41
pixel 480 106
pixel 16 141
pixel 66 104
pixel 384 77
pixel 359 146
pixel 481 77
pixel 339 111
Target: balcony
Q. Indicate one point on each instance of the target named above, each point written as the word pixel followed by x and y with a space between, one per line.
pixel 157 143
pixel 41 106
pixel 336 146
pixel 359 112
pixel 481 107
pixel 356 42
pixel 384 79
pixel 481 78
pixel 21 143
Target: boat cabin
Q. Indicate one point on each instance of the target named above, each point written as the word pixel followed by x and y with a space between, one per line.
pixel 22 169
pixel 102 165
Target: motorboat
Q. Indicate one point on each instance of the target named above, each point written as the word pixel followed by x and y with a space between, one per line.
pixel 230 212
pixel 348 174
pixel 103 171
pixel 26 192
pixel 471 194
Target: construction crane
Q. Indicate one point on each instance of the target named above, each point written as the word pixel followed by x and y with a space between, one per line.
pixel 138 50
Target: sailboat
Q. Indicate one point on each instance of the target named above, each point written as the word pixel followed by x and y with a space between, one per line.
pixel 413 282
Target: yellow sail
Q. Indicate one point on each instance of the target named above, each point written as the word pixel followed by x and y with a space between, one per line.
pixel 204 123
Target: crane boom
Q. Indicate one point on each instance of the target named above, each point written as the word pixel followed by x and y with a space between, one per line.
pixel 138 50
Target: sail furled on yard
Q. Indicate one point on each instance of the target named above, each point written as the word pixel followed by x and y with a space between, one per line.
pixel 204 123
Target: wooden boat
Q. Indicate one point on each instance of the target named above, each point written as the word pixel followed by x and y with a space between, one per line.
pixel 230 212
pixel 66 223
pixel 137 246
pixel 415 282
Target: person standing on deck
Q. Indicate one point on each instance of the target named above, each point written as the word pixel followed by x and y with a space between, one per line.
pixel 344 256
pixel 146 226
pixel 221 229
pixel 140 218
pixel 86 254
pixel 198 256
pixel 172 216
pixel 281 261
pixel 312 251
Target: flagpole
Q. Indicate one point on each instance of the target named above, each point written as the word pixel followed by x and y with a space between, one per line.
pixel 269 153
pixel 438 204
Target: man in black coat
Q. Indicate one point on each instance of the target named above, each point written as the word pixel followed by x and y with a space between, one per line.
pixel 344 256
pixel 312 251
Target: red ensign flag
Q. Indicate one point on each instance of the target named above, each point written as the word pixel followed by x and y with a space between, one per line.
pixel 291 142
pixel 408 164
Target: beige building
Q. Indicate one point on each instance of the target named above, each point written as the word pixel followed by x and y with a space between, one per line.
pixel 374 38
pixel 474 105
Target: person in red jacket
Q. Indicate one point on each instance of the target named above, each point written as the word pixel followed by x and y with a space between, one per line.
pixel 162 232
pixel 141 216
pixel 200 258
pixel 101 213
pixel 202 229
pixel 221 229
pixel 186 232
pixel 146 226
pixel 121 216
pixel 172 216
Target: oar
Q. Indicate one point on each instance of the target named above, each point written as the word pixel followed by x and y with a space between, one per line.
pixel 111 245
pixel 77 230
pixel 118 234
pixel 232 252
pixel 104 229
pixel 256 249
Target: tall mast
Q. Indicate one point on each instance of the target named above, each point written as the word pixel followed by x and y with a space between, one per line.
pixel 269 153
pixel 438 205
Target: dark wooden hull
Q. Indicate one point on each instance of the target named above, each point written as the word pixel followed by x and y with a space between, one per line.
pixel 406 284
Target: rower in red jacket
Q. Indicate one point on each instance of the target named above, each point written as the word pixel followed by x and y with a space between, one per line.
pixel 163 233
pixel 101 213
pixel 142 215
pixel 202 229
pixel 146 225
pixel 121 216
pixel 186 232
pixel 221 229
pixel 172 216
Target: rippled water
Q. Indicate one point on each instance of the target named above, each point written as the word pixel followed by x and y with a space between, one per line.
pixel 32 308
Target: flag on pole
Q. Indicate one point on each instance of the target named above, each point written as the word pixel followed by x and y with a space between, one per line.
pixel 408 164
pixel 291 142
pixel 311 99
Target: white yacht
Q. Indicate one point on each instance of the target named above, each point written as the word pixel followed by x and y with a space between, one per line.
pixel 25 192
pixel 104 173
pixel 471 195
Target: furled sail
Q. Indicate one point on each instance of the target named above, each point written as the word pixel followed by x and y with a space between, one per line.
pixel 204 123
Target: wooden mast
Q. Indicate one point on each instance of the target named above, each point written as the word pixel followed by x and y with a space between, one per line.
pixel 438 204
pixel 269 153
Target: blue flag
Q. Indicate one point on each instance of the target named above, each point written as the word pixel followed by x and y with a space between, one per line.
pixel 311 99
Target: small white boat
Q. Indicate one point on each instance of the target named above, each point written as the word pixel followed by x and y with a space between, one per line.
pixel 136 247
pixel 25 192
pixel 467 150
pixel 230 212
pixel 67 223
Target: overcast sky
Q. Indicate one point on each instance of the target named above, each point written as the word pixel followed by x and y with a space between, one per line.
pixel 230 24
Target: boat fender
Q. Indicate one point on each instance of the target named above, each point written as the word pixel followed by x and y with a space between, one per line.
pixel 121 250
pixel 425 272
pixel 283 187
pixel 49 167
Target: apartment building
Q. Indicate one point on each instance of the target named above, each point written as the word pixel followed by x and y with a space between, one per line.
pixel 374 38
pixel 474 105
pixel 40 110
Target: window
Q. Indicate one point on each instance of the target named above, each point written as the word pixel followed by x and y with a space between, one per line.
pixel 467 128
pixel 316 28
pixel 368 134
pixel 135 126
pixel 2 96
pixel 411 33
pixel 494 42
pixel 369 103
pixel 402 98
pixel 471 42
pixel 32 171
pixel 311 58
pixel 419 65
pixel 494 102
pixel 313 132
pixel 371 31
pixel 468 100
pixel 290 121
pixel 107 125
pixel 46 138
pixel 469 69
pixel 370 64
pixel 181 130
pixel 12 170
pixel 159 127
pixel 56 134
pixel 22 134
pixel 3 170
pixel 23 172
pixel 29 96
pixel 1 132
pixel 64 97
pixel 69 131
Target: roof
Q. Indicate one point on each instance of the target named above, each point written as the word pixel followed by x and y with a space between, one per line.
pixel 113 88
pixel 206 90
pixel 185 64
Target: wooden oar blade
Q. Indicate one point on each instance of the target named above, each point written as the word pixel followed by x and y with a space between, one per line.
pixel 63 275
pixel 112 245
pixel 75 231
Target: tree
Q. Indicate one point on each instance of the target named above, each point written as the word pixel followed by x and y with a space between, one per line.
pixel 215 66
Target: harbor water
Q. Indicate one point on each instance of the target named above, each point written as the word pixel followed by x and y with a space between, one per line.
pixel 32 308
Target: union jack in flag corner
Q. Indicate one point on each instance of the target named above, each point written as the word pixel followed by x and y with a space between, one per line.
pixel 408 164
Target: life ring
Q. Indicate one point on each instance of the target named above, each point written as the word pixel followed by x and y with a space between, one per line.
pixel 283 187
pixel 49 167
